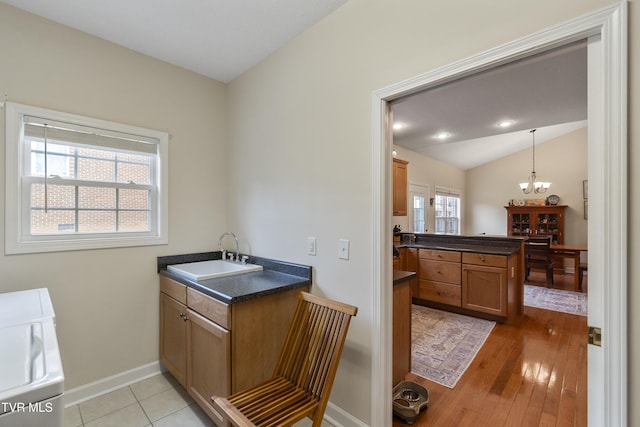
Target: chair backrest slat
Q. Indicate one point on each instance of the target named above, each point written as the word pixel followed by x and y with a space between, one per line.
pixel 314 343
pixel 538 248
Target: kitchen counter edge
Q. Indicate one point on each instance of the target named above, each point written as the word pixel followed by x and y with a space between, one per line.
pixel 276 277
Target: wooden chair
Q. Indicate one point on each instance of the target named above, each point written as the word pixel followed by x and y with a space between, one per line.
pixel 582 268
pixel 537 255
pixel 304 373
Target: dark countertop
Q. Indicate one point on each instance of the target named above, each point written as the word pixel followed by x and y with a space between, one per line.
pixel 489 250
pixel 276 277
pixel 490 245
pixel 400 276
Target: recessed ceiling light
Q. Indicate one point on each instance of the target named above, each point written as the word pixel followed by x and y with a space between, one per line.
pixel 398 125
pixel 505 123
pixel 443 135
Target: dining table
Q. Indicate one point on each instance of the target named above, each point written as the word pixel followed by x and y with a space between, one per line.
pixel 571 252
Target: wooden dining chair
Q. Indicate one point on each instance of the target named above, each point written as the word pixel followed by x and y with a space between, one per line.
pixel 304 373
pixel 537 251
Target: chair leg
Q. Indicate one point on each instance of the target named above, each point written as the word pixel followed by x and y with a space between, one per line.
pixel 550 277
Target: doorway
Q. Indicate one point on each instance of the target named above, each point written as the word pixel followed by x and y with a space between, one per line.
pixel 607 212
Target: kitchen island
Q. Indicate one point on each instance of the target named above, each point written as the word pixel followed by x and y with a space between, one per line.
pixel 222 335
pixel 481 276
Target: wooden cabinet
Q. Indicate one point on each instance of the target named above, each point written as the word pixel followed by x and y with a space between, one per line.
pixel 173 337
pixel 401 330
pixel 208 362
pixel 439 276
pixel 484 283
pixel 400 187
pixel 472 283
pixel 407 261
pixel 213 348
pixel 536 221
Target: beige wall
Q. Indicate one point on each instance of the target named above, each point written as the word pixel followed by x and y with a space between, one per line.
pixel 106 301
pixel 300 122
pixel 562 161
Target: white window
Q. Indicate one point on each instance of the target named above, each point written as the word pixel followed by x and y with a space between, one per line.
pixel 447 211
pixel 75 182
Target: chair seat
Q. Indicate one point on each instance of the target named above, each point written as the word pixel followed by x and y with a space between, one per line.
pixel 277 402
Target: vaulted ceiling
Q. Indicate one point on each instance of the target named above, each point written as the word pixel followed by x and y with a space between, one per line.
pixel 547 92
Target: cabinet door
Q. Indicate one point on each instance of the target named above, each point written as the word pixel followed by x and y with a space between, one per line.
pixel 401 331
pixel 399 187
pixel 411 260
pixel 173 337
pixel 484 289
pixel 208 362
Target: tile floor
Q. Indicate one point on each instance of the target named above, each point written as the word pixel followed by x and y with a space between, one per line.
pixel 158 401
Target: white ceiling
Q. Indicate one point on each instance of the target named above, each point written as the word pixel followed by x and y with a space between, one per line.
pixel 220 39
pixel 547 92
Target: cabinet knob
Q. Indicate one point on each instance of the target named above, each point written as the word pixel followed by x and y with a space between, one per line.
pixel 184 317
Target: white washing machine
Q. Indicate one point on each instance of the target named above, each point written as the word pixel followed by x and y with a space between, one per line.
pixel 31 376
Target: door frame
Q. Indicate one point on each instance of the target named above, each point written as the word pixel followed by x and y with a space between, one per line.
pixel 607 229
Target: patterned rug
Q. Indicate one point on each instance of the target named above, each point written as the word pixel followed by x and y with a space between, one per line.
pixel 444 344
pixel 556 300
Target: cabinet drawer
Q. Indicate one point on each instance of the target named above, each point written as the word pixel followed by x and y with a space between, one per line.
pixel 440 292
pixel 211 308
pixel 437 255
pixel 438 271
pixel 175 290
pixel 484 259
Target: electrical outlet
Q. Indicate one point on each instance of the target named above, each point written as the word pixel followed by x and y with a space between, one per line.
pixel 312 245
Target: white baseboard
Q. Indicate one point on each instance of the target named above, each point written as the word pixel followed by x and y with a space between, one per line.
pixel 335 417
pixel 114 382
pixel 338 417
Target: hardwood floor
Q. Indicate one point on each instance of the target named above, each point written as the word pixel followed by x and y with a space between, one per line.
pixel 531 374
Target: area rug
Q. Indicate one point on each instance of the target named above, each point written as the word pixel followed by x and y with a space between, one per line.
pixel 556 300
pixel 444 344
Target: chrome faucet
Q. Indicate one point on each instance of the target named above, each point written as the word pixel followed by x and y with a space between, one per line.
pixel 229 233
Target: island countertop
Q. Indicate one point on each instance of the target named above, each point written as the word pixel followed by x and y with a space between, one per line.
pixel 276 277
pixel 491 245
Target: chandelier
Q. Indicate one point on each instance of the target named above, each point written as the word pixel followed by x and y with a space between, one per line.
pixel 533 185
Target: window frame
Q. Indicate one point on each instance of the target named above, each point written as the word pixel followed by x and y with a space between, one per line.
pixel 18 207
pixel 448 192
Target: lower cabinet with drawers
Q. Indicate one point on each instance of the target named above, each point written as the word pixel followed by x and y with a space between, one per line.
pixel 213 348
pixel 479 284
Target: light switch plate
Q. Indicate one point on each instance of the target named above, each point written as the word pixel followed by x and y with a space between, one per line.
pixel 343 249
pixel 312 246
